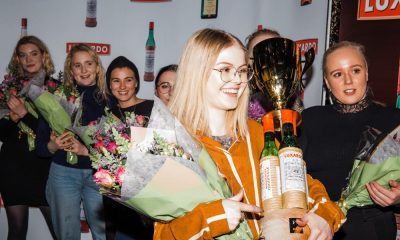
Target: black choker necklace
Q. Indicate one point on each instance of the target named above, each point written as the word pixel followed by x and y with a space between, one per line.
pixel 350 108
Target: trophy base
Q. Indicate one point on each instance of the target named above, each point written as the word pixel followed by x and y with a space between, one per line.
pixel 277 116
pixel 280 224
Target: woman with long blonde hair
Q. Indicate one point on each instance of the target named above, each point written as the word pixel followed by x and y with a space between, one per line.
pixel 210 99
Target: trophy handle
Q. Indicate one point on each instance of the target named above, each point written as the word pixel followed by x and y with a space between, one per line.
pixel 309 56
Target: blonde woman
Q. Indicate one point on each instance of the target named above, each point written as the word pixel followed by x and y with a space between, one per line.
pixel 210 99
pixel 69 184
pixel 23 174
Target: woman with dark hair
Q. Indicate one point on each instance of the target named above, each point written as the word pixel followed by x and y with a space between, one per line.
pixel 23 174
pixel 123 82
pixel 330 136
pixel 165 82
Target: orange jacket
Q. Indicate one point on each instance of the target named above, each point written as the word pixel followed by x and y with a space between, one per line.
pixel 208 220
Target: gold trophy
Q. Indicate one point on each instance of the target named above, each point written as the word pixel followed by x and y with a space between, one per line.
pixel 278 73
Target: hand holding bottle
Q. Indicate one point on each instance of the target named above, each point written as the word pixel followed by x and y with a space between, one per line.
pixel 234 209
pixel 320 229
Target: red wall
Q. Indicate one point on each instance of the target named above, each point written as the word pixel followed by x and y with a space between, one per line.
pixel 381 39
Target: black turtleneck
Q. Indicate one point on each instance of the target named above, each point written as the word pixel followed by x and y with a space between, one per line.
pixel 329 139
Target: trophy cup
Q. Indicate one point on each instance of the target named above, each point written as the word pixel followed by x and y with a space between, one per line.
pixel 278 73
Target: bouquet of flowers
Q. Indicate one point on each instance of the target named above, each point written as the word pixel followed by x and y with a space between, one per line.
pixel 108 141
pixel 378 159
pixel 166 168
pixel 58 106
pixel 18 86
pixel 10 86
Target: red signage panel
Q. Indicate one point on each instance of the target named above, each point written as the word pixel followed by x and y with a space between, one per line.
pixel 378 9
pixel 99 48
pixel 305 44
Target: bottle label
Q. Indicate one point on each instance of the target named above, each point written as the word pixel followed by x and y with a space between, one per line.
pixel 292 169
pixel 270 177
pixel 91 8
pixel 149 63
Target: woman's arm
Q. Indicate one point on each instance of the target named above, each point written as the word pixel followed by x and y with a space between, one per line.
pixel 206 221
pixel 320 204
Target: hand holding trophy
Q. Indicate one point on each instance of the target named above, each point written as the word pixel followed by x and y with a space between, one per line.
pixel 278 73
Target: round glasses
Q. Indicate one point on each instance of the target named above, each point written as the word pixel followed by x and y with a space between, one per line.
pixel 229 73
pixel 164 87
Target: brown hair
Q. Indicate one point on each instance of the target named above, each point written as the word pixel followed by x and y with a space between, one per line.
pixel 343 44
pixel 48 62
pixel 257 33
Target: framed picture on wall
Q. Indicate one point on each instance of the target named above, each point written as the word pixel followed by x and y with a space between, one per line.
pixel 209 9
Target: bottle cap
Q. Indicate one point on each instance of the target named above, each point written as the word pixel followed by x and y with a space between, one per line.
pixel 286 116
pixel 151 25
pixel 24 22
pixel 268 122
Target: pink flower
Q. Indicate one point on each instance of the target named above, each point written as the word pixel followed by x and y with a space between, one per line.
pixel 119 176
pixel 112 147
pixel 103 177
pixel 126 136
pixel 71 99
pixel 140 120
pixel 52 84
pixel 13 91
pixel 24 82
pixel 98 145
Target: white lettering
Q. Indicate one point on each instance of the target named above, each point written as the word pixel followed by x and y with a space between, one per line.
pixel 394 5
pixel 381 7
pixel 368 7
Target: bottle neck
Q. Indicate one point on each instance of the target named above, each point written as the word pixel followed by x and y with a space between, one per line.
pixel 270 148
pixel 269 137
pixel 150 39
pixel 288 137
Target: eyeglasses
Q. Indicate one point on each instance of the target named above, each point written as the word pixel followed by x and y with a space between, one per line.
pixel 165 87
pixel 228 73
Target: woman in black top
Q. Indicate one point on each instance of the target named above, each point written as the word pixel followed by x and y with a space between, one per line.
pixel 123 82
pixel 330 136
pixel 23 174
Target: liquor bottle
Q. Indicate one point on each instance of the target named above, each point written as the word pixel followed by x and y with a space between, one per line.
pixel 150 53
pixel 24 27
pixel 269 166
pixel 293 176
pixel 91 12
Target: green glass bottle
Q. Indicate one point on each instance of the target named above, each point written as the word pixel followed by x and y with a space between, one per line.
pixel 293 173
pixel 269 168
